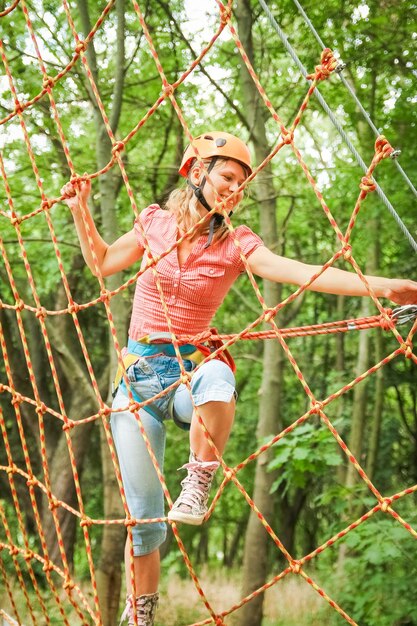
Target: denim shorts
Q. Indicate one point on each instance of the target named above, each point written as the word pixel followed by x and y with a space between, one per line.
pixel 153 372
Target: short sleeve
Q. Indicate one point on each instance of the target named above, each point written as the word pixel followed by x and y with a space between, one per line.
pixel 143 223
pixel 249 242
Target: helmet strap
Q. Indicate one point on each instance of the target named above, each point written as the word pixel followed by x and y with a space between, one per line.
pixel 198 189
pixel 216 219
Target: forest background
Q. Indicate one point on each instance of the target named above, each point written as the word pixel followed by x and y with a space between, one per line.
pixel 304 485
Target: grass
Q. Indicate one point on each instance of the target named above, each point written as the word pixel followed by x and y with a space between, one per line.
pixel 291 602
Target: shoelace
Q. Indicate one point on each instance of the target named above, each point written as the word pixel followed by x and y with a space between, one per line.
pixel 197 483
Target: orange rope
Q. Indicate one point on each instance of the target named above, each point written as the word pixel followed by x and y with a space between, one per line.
pixel 42 484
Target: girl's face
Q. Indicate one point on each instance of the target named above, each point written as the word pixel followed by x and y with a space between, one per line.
pixel 226 177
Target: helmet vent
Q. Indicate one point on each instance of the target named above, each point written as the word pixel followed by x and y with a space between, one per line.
pixel 209 137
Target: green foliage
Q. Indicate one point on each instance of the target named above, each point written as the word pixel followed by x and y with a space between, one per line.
pixel 378 580
pixel 306 453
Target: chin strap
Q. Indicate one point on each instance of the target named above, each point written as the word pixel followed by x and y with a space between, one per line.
pixel 216 219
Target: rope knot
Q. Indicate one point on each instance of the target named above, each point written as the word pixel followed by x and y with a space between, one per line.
pixel 407 348
pixel 367 184
pixel 11 469
pixel 104 295
pixel 228 473
pixel 316 407
pixel 219 621
pixel 225 15
pixel 18 109
pixel 20 305
pixel 80 47
pixel 53 504
pixel 104 411
pixel 287 137
pixel 327 66
pixel 168 89
pixel 73 308
pixel 134 407
pixel 68 425
pixel 48 567
pixel 28 555
pixel 15 220
pixel 31 482
pixel 384 323
pixel 383 147
pixel 47 204
pixel 48 82
pixel 185 377
pixel 385 504
pixel 41 409
pixel 76 181
pixel 119 146
pixel 86 521
pixel 68 584
pixel 295 566
pixel 269 314
pixel 41 312
pixel 129 521
pixel 17 399
pixel 347 252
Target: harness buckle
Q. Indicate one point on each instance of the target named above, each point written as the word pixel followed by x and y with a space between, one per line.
pixel 405 313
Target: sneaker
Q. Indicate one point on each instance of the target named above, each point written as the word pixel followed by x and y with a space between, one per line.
pixel 191 505
pixel 145 610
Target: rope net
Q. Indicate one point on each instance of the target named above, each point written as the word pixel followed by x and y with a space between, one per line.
pixel 64 590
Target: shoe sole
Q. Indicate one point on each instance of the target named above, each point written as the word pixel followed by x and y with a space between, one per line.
pixel 178 516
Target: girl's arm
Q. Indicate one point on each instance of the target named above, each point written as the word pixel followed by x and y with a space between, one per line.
pixel 266 264
pixel 111 258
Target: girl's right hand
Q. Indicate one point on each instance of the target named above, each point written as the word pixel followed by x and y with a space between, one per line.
pixel 72 199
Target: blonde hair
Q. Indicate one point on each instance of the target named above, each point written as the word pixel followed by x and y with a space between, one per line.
pixel 184 205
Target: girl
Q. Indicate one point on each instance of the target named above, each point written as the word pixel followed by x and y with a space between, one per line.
pixel 195 277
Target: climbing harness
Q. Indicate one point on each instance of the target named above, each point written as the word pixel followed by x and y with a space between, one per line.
pixel 195 353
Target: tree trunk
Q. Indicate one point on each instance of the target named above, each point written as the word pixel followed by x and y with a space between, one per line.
pixel 257 540
pixel 379 376
pixel 372 456
pixel 230 548
pixel 60 471
pixel 108 574
pixel 113 538
pixel 356 437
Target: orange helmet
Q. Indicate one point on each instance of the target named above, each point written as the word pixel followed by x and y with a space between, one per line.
pixel 216 144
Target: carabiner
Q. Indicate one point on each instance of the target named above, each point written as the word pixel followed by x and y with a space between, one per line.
pixel 405 313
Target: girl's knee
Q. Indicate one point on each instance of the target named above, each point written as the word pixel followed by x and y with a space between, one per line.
pixel 213 371
pixel 213 381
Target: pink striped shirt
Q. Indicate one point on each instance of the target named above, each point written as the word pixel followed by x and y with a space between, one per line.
pixel 193 292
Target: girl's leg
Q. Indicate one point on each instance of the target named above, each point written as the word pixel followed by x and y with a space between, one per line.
pixel 218 419
pixel 143 491
pixel 213 392
pixel 147 569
